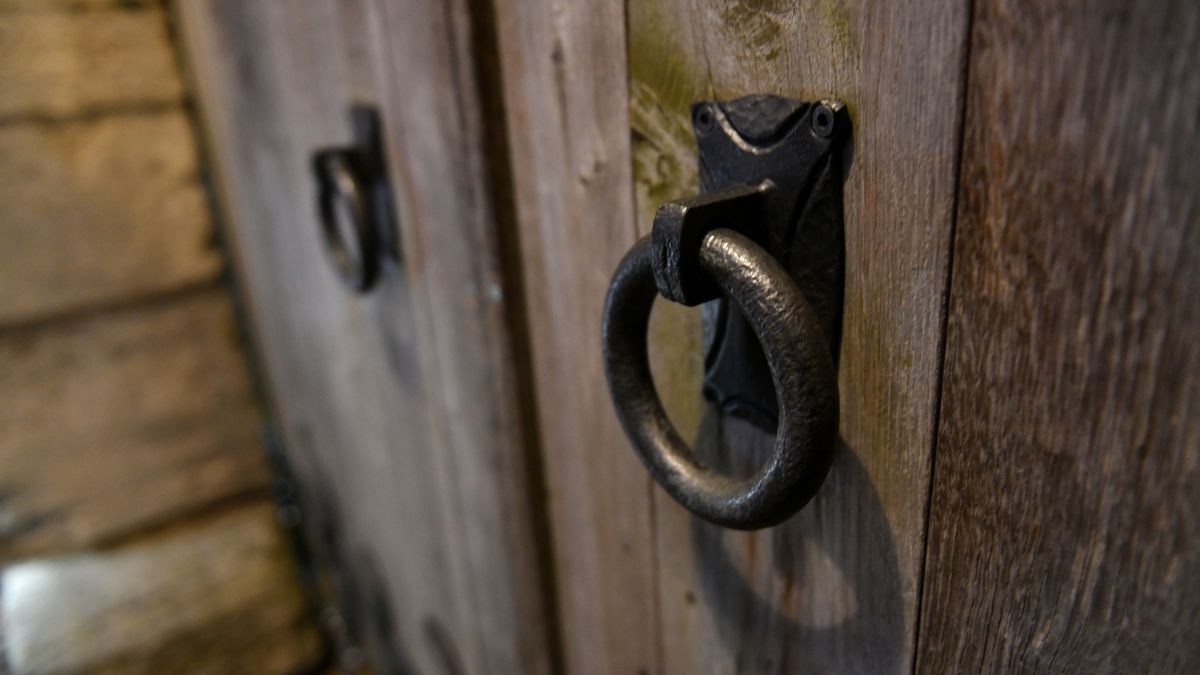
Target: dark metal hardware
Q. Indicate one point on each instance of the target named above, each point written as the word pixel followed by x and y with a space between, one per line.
pixel 762 246
pixel 796 146
pixel 354 203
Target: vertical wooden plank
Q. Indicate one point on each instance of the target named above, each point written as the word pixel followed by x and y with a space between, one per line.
pixel 1064 512
pixel 835 589
pixel 565 98
pixel 398 407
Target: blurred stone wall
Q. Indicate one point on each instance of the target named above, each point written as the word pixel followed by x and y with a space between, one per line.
pixel 136 534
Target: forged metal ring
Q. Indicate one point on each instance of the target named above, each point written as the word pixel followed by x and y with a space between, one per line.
pixel 800 363
pixel 347 227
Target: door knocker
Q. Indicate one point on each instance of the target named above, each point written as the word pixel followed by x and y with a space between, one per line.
pixel 354 204
pixel 762 247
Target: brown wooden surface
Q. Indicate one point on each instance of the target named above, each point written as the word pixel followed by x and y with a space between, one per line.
pixel 120 422
pixel 216 596
pixel 834 589
pixel 56 63
pixel 1067 479
pixel 399 408
pixel 100 211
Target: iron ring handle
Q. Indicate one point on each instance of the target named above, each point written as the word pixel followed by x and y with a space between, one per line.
pixel 347 223
pixel 800 363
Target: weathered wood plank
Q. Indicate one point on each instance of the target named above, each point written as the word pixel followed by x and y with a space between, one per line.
pixel 564 74
pixel 400 408
pixel 216 596
pixel 99 211
pixel 121 422
pixel 58 64
pixel 1064 513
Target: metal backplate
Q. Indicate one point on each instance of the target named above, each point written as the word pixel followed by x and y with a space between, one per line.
pixel 796 145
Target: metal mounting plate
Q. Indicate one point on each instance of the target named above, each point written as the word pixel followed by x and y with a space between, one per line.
pixel 796 146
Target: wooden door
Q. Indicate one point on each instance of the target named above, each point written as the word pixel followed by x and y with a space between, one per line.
pixel 1014 486
pixel 398 407
pixel 1013 493
pixel 646 586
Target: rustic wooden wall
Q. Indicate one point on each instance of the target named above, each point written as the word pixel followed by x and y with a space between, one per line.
pixel 134 523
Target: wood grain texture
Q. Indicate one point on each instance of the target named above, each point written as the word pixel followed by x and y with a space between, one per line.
pixel 110 209
pixel 123 421
pixel 399 408
pixel 218 596
pixel 835 589
pixel 57 64
pixel 1064 514
pixel 565 98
